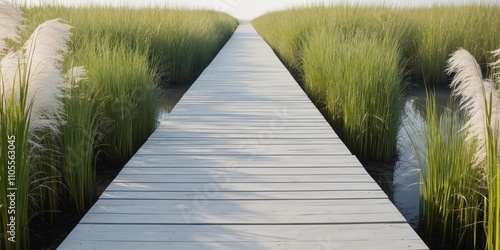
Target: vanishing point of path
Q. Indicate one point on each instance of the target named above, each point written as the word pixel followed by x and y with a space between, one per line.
pixel 244 161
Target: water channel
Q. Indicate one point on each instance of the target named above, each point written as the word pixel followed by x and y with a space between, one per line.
pixel 401 180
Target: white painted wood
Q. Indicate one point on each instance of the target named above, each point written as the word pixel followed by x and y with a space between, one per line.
pixel 237 178
pixel 215 187
pixel 245 233
pixel 221 144
pixel 268 171
pixel 367 236
pixel 287 243
pixel 244 161
pixel 246 150
pixel 238 162
pixel 372 236
pixel 254 135
pixel 242 212
pixel 283 195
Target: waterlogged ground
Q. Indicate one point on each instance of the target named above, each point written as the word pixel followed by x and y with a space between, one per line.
pixel 401 180
pixel 171 95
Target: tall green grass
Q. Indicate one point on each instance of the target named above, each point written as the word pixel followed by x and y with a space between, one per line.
pixel 181 41
pixel 492 122
pixel 492 215
pixel 443 29
pixel 350 61
pixel 459 186
pixel 80 137
pixel 30 111
pixel 131 50
pixel 422 37
pixel 353 62
pixel 125 85
pixel 451 192
pixel 14 125
pixel 362 95
pixel 105 109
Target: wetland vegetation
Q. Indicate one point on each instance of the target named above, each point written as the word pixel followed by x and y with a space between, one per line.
pixel 357 63
pixel 79 94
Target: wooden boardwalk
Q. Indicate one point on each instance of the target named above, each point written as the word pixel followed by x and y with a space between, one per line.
pixel 244 161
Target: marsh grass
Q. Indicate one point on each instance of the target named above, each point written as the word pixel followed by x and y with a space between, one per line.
pixel 63 129
pixel 15 123
pixel 459 186
pixel 362 95
pixel 30 74
pixel 444 29
pixel 423 37
pixel 492 215
pixel 351 62
pixel 124 83
pixel 179 41
pixel 451 188
pixel 492 218
pixel 127 52
pixel 79 140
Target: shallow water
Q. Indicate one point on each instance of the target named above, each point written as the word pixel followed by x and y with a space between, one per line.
pixel 400 181
pixel 170 96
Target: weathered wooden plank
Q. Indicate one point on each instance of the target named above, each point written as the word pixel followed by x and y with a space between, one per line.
pixel 243 149
pixel 192 216
pixel 291 132
pixel 245 128
pixel 286 243
pixel 202 210
pixel 261 142
pixel 245 233
pixel 291 195
pixel 255 134
pixel 238 178
pixel 289 244
pixel 354 236
pixel 219 161
pixel 215 187
pixel 227 119
pixel 270 171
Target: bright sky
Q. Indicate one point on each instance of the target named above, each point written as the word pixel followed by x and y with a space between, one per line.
pixel 249 9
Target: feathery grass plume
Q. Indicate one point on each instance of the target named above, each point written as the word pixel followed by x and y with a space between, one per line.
pixel 496 67
pixel 14 124
pixel 32 85
pixel 39 65
pixel 44 54
pixel 475 94
pixel 10 18
pixel 480 99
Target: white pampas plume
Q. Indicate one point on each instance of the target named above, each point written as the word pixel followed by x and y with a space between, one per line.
pixel 38 67
pixel 10 23
pixel 9 79
pixel 496 65
pixel 76 74
pixel 44 54
pixel 475 94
